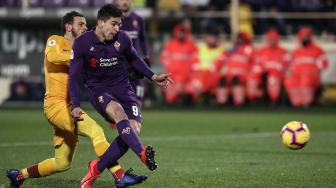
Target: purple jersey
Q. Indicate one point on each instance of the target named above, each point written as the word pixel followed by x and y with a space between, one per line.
pixel 104 65
pixel 134 26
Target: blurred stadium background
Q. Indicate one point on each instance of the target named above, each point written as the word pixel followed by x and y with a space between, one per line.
pixel 201 147
pixel 26 24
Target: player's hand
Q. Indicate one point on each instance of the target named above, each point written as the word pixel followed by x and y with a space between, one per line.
pixel 76 114
pixel 163 80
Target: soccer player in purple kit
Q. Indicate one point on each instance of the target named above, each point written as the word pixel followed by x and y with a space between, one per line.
pixel 134 26
pixel 101 56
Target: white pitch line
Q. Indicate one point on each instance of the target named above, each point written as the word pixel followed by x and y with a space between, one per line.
pixel 158 138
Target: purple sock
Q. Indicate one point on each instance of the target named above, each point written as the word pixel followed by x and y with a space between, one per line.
pixel 129 136
pixel 114 152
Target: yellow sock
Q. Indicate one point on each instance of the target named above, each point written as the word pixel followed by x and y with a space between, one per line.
pixel 25 173
pixel 114 169
pixel 117 172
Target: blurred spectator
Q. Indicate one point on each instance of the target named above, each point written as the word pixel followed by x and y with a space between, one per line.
pixel 245 20
pixel 205 75
pixel 304 78
pixel 235 66
pixel 178 56
pixel 20 91
pixel 268 71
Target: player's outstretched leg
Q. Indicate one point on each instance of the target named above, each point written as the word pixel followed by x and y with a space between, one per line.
pixel 130 179
pixel 132 140
pixel 16 178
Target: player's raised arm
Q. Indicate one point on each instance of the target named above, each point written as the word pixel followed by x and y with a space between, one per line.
pixel 76 67
pixel 54 53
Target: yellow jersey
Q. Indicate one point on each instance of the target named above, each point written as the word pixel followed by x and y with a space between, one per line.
pixel 57 56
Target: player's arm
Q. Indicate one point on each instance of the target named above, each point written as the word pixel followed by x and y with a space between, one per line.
pixel 76 67
pixel 139 65
pixel 55 54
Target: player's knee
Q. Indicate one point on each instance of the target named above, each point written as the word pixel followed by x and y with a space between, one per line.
pixel 116 111
pixel 62 164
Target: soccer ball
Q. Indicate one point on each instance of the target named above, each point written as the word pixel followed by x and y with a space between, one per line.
pixel 295 135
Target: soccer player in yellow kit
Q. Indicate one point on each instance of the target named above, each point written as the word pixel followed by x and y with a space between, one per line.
pixel 57 110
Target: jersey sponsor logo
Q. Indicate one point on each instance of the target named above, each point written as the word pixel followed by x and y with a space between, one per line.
pixel 108 62
pixel 52 43
pixel 116 45
pixel 126 130
pixel 101 99
pixel 93 62
pixel 132 34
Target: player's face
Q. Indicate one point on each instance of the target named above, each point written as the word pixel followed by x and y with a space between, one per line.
pixel 124 5
pixel 111 27
pixel 78 26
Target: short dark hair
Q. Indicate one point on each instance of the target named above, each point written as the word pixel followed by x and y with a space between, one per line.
pixel 107 11
pixel 68 18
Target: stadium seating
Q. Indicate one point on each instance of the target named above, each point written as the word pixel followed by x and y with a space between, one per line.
pixel 53 3
pixel 98 3
pixel 78 3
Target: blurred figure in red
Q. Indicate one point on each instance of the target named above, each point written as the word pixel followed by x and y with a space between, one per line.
pixel 268 70
pixel 205 75
pixel 304 76
pixel 235 67
pixel 178 56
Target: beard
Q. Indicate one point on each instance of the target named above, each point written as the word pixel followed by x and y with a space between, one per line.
pixel 125 8
pixel 74 34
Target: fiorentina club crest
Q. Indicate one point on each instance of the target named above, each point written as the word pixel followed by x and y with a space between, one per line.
pixel 101 99
pixel 116 45
pixel 135 23
pixel 93 62
pixel 126 130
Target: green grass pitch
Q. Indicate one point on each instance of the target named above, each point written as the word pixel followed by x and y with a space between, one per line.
pixel 198 148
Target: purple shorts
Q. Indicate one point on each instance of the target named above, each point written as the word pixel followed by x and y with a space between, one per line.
pixel 125 96
pixel 139 88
